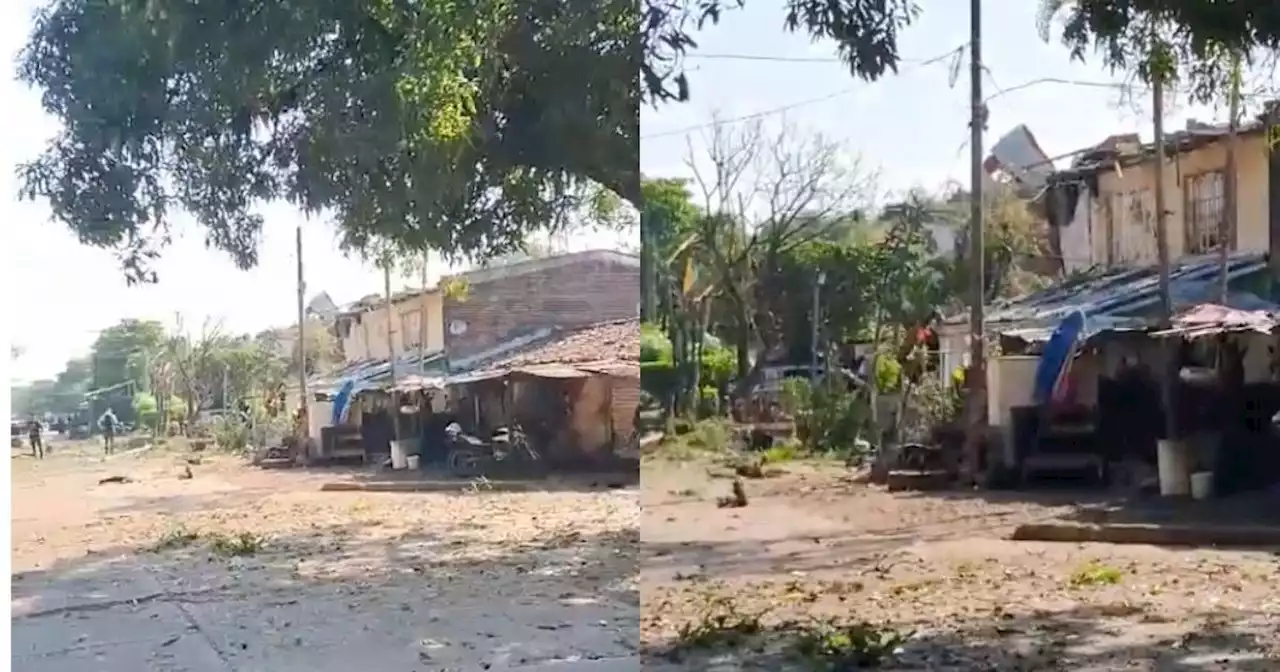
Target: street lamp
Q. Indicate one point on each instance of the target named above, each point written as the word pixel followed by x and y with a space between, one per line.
pixel 814 320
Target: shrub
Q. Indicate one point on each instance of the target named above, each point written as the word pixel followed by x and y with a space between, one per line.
pixel 718 366
pixel 231 432
pixel 654 344
pixel 888 374
pixel 145 409
pixel 658 378
pixel 708 401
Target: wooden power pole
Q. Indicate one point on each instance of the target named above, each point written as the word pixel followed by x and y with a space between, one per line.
pixel 1170 369
pixel 391 343
pixel 977 378
pixel 391 349
pixel 422 315
pixel 1230 182
pixel 302 340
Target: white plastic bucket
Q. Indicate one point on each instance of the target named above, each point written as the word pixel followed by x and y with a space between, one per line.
pixel 1202 485
pixel 399 454
pixel 1172 466
pixel 412 461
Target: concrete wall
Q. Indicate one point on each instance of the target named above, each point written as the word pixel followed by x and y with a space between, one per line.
pixel 1117 224
pixel 365 334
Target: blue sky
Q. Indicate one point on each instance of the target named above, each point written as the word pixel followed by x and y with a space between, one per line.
pixel 912 126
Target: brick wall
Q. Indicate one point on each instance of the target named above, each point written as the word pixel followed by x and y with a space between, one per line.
pixel 572 295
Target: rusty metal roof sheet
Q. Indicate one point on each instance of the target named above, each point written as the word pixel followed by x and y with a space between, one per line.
pixel 1119 294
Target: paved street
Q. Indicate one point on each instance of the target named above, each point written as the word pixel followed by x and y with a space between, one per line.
pixel 342 582
pixel 126 619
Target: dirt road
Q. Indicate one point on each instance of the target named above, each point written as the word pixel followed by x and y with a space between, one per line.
pixel 246 570
pixel 818 569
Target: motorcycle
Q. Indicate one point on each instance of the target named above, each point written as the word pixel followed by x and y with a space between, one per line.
pixel 471 457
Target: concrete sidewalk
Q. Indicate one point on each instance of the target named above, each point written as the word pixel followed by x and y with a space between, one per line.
pixel 127 621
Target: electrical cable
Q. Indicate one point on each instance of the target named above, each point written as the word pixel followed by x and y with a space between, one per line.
pixel 950 53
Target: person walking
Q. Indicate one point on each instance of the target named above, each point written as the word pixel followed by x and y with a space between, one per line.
pixel 35 434
pixel 108 424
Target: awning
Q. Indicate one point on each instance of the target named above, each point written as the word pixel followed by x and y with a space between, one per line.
pixel 1211 319
pixel 551 371
pixel 415 383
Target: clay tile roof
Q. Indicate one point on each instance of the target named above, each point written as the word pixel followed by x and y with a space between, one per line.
pixel 606 342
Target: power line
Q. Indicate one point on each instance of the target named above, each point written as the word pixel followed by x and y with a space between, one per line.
pixel 794 59
pixel 754 115
pixel 952 53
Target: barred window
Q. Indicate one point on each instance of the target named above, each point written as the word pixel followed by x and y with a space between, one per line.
pixel 1206 208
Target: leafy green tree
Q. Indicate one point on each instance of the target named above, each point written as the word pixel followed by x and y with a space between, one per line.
pixel 121 353
pixel 458 127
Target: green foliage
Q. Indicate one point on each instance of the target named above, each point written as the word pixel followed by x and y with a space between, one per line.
pixel 888 374
pixel 1185 41
pixel 232 433
pixel 718 365
pixel 889 274
pixel 865 35
pixel 782 451
pixel 145 409
pixel 123 352
pixel 458 127
pixel 838 419
pixel 855 646
pixel 654 344
pixel 708 401
pixel 669 213
pixel 658 378
pixel 829 418
pixel 796 396
pixel 1192 35
pixel 175 367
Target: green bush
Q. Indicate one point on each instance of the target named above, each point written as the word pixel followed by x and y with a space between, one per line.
pixel 718 366
pixel 658 378
pixel 708 401
pixel 888 374
pixel 654 344
pixel 829 418
pixel 796 396
pixel 231 432
pixel 146 409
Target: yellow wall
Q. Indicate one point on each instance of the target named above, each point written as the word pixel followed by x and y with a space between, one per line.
pixel 1139 232
pixel 368 337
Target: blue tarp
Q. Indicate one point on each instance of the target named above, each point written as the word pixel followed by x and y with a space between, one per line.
pixel 340 401
pixel 1057 355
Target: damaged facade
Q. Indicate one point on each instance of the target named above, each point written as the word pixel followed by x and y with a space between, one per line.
pixel 1103 207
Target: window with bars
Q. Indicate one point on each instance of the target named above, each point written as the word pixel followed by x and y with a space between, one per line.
pixel 1205 208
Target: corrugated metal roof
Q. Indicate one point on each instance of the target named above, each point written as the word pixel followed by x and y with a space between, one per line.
pixel 371 374
pixel 1118 297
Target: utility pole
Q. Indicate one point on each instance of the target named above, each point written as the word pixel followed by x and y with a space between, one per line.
pixel 1168 380
pixel 226 387
pixel 977 378
pixel 422 315
pixel 391 343
pixel 305 430
pixel 815 320
pixel 1230 182
pixel 391 348
pixel 1272 116
pixel 1272 135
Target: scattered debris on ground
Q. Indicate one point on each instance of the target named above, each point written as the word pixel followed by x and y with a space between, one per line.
pixel 824 572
